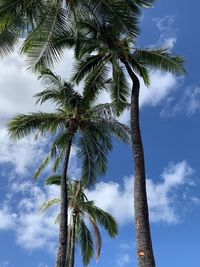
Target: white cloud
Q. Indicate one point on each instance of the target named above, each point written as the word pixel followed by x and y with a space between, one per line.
pixel 162 84
pixel 195 200
pixel 161 87
pixel 118 200
pixel 168 33
pixel 42 265
pixel 189 103
pixel 7 218
pixel 19 85
pixel 22 154
pixel 32 229
pixel 123 260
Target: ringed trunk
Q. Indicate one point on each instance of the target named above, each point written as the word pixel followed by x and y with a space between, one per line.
pixel 63 229
pixel 145 254
pixel 72 241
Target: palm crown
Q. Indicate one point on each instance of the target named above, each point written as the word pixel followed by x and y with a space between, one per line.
pixel 90 126
pixel 105 47
pixel 43 22
pixel 83 210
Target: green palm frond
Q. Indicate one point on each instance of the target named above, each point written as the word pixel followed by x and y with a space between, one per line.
pixel 160 58
pixel 10 35
pixel 22 125
pixel 106 220
pixel 50 78
pixel 120 131
pixel 145 3
pixel 49 204
pixel 94 145
pixel 124 13
pixel 95 83
pixel 104 111
pixel 97 236
pixel 87 65
pixel 53 180
pixel 119 89
pixel 140 69
pixel 55 154
pixel 39 45
pixel 17 18
pixel 86 242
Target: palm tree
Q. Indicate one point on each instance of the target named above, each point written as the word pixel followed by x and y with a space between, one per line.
pixel 105 47
pixel 77 120
pixel 43 22
pixel 83 210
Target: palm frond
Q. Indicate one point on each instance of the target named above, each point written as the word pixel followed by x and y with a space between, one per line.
pixel 40 44
pixel 85 66
pixel 120 131
pixel 53 180
pixel 22 125
pixel 95 82
pixel 106 220
pixel 55 154
pixel 120 90
pixel 94 144
pixel 141 70
pixel 97 236
pixel 50 78
pixel 145 3
pixel 86 243
pixel 160 58
pixel 49 204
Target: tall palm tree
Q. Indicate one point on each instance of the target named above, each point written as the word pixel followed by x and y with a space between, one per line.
pixel 83 210
pixel 77 120
pixel 106 47
pixel 43 22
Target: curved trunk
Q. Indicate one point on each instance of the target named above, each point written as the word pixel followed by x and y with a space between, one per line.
pixel 63 230
pixel 143 236
pixel 72 241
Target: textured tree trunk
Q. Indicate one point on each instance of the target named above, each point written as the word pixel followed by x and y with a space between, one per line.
pixel 63 230
pixel 145 254
pixel 72 241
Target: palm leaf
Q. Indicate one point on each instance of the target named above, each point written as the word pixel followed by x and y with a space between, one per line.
pixel 49 204
pixel 106 220
pixel 23 125
pixel 120 90
pixel 86 243
pixel 160 58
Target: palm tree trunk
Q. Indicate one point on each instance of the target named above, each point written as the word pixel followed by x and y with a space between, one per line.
pixel 63 230
pixel 72 242
pixel 145 254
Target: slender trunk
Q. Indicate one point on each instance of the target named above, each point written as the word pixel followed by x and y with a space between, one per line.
pixel 72 241
pixel 145 254
pixel 63 230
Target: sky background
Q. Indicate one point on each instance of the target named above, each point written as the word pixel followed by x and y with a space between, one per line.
pixel 170 128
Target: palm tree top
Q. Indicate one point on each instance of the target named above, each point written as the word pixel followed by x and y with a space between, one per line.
pixel 81 207
pixel 92 126
pixel 43 22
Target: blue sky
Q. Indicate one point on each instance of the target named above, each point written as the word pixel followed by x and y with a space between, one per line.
pixel 170 128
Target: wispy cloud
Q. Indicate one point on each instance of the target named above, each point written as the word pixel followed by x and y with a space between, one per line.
pixel 19 211
pixel 168 32
pixel 118 200
pixel 123 260
pixel 32 229
pixel 188 104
